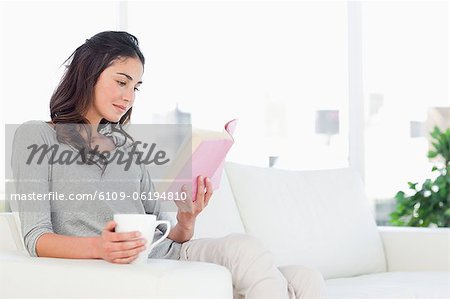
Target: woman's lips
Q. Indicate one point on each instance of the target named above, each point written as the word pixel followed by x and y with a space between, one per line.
pixel 120 108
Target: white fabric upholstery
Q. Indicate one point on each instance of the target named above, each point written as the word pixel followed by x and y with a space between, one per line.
pixel 391 285
pixel 6 237
pixel 221 216
pixel 10 236
pixel 319 219
pixel 416 248
pixel 26 277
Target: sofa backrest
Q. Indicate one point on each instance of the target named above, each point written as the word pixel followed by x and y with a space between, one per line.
pixel 319 219
pixel 221 216
pixel 10 237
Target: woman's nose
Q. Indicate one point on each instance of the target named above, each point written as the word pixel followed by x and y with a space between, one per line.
pixel 128 96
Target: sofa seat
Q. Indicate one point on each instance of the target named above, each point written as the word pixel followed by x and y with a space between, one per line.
pixel 29 277
pixel 392 285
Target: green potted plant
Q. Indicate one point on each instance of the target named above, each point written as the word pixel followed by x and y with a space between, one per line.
pixel 429 203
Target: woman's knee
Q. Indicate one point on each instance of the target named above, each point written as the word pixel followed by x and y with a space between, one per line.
pixel 244 243
pixel 247 248
pixel 305 281
pixel 253 265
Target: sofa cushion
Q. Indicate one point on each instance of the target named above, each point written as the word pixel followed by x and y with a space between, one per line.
pixel 391 285
pixel 10 236
pixel 6 237
pixel 221 216
pixel 89 278
pixel 318 219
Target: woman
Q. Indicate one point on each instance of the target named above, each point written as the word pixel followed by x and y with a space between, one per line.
pixel 93 100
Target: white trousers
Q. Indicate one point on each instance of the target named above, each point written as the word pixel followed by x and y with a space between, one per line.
pixel 253 271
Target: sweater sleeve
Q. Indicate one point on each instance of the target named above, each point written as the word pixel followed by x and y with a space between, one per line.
pixel 167 249
pixel 31 181
pixel 154 206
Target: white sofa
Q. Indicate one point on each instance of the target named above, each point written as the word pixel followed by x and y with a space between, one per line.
pixel 318 219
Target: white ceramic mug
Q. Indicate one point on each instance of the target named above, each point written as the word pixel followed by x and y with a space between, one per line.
pixel 145 224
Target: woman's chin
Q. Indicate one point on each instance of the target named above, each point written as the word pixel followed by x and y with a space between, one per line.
pixel 112 119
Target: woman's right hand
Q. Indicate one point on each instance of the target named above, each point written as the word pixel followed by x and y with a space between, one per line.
pixel 119 248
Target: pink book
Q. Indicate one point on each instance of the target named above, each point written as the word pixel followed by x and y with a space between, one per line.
pixel 205 157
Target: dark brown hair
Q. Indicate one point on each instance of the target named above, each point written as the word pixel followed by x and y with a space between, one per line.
pixel 74 94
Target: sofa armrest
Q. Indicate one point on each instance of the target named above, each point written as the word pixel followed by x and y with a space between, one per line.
pixel 416 248
pixel 22 276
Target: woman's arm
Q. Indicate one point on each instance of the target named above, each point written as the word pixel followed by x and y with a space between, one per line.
pixel 188 211
pixel 121 248
pixel 181 234
pixel 54 245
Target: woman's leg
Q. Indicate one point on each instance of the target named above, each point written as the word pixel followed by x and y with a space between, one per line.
pixel 306 282
pixel 252 267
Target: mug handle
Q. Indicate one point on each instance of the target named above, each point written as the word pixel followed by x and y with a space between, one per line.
pixel 167 223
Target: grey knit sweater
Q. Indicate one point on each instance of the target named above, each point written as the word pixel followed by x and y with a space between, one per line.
pixel 76 217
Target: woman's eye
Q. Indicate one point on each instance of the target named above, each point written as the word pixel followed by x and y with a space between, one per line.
pixel 136 89
pixel 121 83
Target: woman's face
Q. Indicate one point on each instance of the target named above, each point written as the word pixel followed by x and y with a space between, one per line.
pixel 115 90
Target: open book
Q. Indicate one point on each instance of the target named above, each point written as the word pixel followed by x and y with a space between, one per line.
pixel 202 154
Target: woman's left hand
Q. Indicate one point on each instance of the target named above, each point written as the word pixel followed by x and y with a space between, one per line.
pixel 188 210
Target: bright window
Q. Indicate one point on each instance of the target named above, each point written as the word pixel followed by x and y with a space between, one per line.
pixel 35 39
pixel 281 68
pixel 405 50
